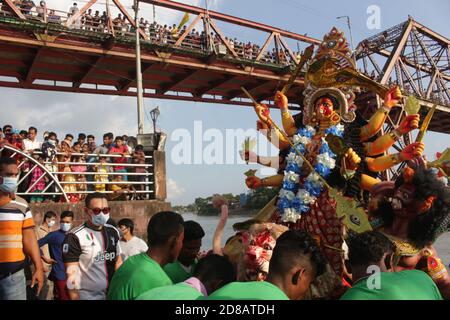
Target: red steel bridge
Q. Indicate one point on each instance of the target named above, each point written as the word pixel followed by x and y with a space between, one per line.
pixel 46 49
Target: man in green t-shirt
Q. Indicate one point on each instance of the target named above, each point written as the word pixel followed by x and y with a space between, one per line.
pixel 370 262
pixel 211 273
pixel 183 267
pixel 144 272
pixel 296 261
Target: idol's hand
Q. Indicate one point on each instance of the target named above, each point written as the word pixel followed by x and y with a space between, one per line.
pixel 263 113
pixel 249 156
pixel 352 159
pixel 411 151
pixel 281 101
pixel 409 123
pixel 253 182
pixel 392 97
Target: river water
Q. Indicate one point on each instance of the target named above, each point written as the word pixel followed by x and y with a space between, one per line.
pixel 209 225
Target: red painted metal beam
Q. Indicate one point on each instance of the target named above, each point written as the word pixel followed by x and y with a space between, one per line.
pixel 14 9
pixel 396 53
pixel 147 57
pixel 227 18
pixel 120 93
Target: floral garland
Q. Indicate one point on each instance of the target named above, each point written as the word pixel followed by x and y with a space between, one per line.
pixel 293 198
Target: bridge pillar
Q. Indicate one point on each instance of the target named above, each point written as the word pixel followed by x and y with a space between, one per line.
pixel 153 144
pixel 159 165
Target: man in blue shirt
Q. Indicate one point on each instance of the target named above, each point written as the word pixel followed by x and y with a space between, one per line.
pixel 55 241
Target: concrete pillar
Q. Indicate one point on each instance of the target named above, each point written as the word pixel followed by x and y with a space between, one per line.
pixel 159 162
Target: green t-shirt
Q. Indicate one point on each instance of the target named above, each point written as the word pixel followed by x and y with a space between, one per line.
pixel 179 291
pixel 403 285
pixel 253 290
pixel 138 274
pixel 177 273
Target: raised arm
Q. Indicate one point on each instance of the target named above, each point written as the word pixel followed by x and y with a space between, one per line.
pixel 379 117
pixel 250 156
pixel 384 142
pixel 281 102
pixel 275 137
pixel 272 181
pixel 410 152
pixel 219 202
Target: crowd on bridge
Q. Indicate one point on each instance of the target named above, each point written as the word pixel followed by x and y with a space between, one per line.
pixel 162 34
pixel 80 165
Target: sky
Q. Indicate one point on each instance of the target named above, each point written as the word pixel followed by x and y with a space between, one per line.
pixel 97 114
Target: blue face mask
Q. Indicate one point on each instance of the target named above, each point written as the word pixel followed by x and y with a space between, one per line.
pixel 100 219
pixel 9 185
pixel 65 226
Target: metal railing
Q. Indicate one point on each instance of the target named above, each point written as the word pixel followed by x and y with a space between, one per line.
pixel 157 34
pixel 70 185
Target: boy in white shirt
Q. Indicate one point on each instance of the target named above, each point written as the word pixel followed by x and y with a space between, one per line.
pixel 130 245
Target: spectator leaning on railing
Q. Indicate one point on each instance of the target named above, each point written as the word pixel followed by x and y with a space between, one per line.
pixel 75 160
pixel 119 149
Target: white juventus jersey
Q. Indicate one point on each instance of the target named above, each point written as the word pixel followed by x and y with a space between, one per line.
pixel 96 251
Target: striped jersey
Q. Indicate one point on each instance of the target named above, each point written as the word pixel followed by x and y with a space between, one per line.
pixel 15 215
pixel 96 251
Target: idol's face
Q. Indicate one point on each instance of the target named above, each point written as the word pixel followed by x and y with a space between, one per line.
pixel 324 108
pixel 403 200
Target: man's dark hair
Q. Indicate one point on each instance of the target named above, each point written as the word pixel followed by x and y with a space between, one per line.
pixel 67 213
pixel 163 226
pixel 128 223
pixel 295 247
pixel 25 132
pixel 52 134
pixel 368 248
pixel 6 126
pixel 95 195
pixel 82 136
pixel 109 135
pixel 69 136
pixel 213 267
pixel 193 231
pixel 90 136
pixel 139 147
pixel 49 214
pixel 119 138
pixel 6 161
pixel 32 129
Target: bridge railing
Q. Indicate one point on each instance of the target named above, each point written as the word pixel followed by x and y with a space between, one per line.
pixel 45 177
pixel 184 38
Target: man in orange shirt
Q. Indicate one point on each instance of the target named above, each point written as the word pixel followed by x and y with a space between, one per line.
pixel 17 237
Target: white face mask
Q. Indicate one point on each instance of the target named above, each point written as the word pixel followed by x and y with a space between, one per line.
pixel 8 184
pixel 51 223
pixel 65 226
pixel 100 219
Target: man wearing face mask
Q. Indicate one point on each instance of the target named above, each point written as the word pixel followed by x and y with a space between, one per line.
pixel 91 252
pixel 44 229
pixel 17 238
pixel 54 240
